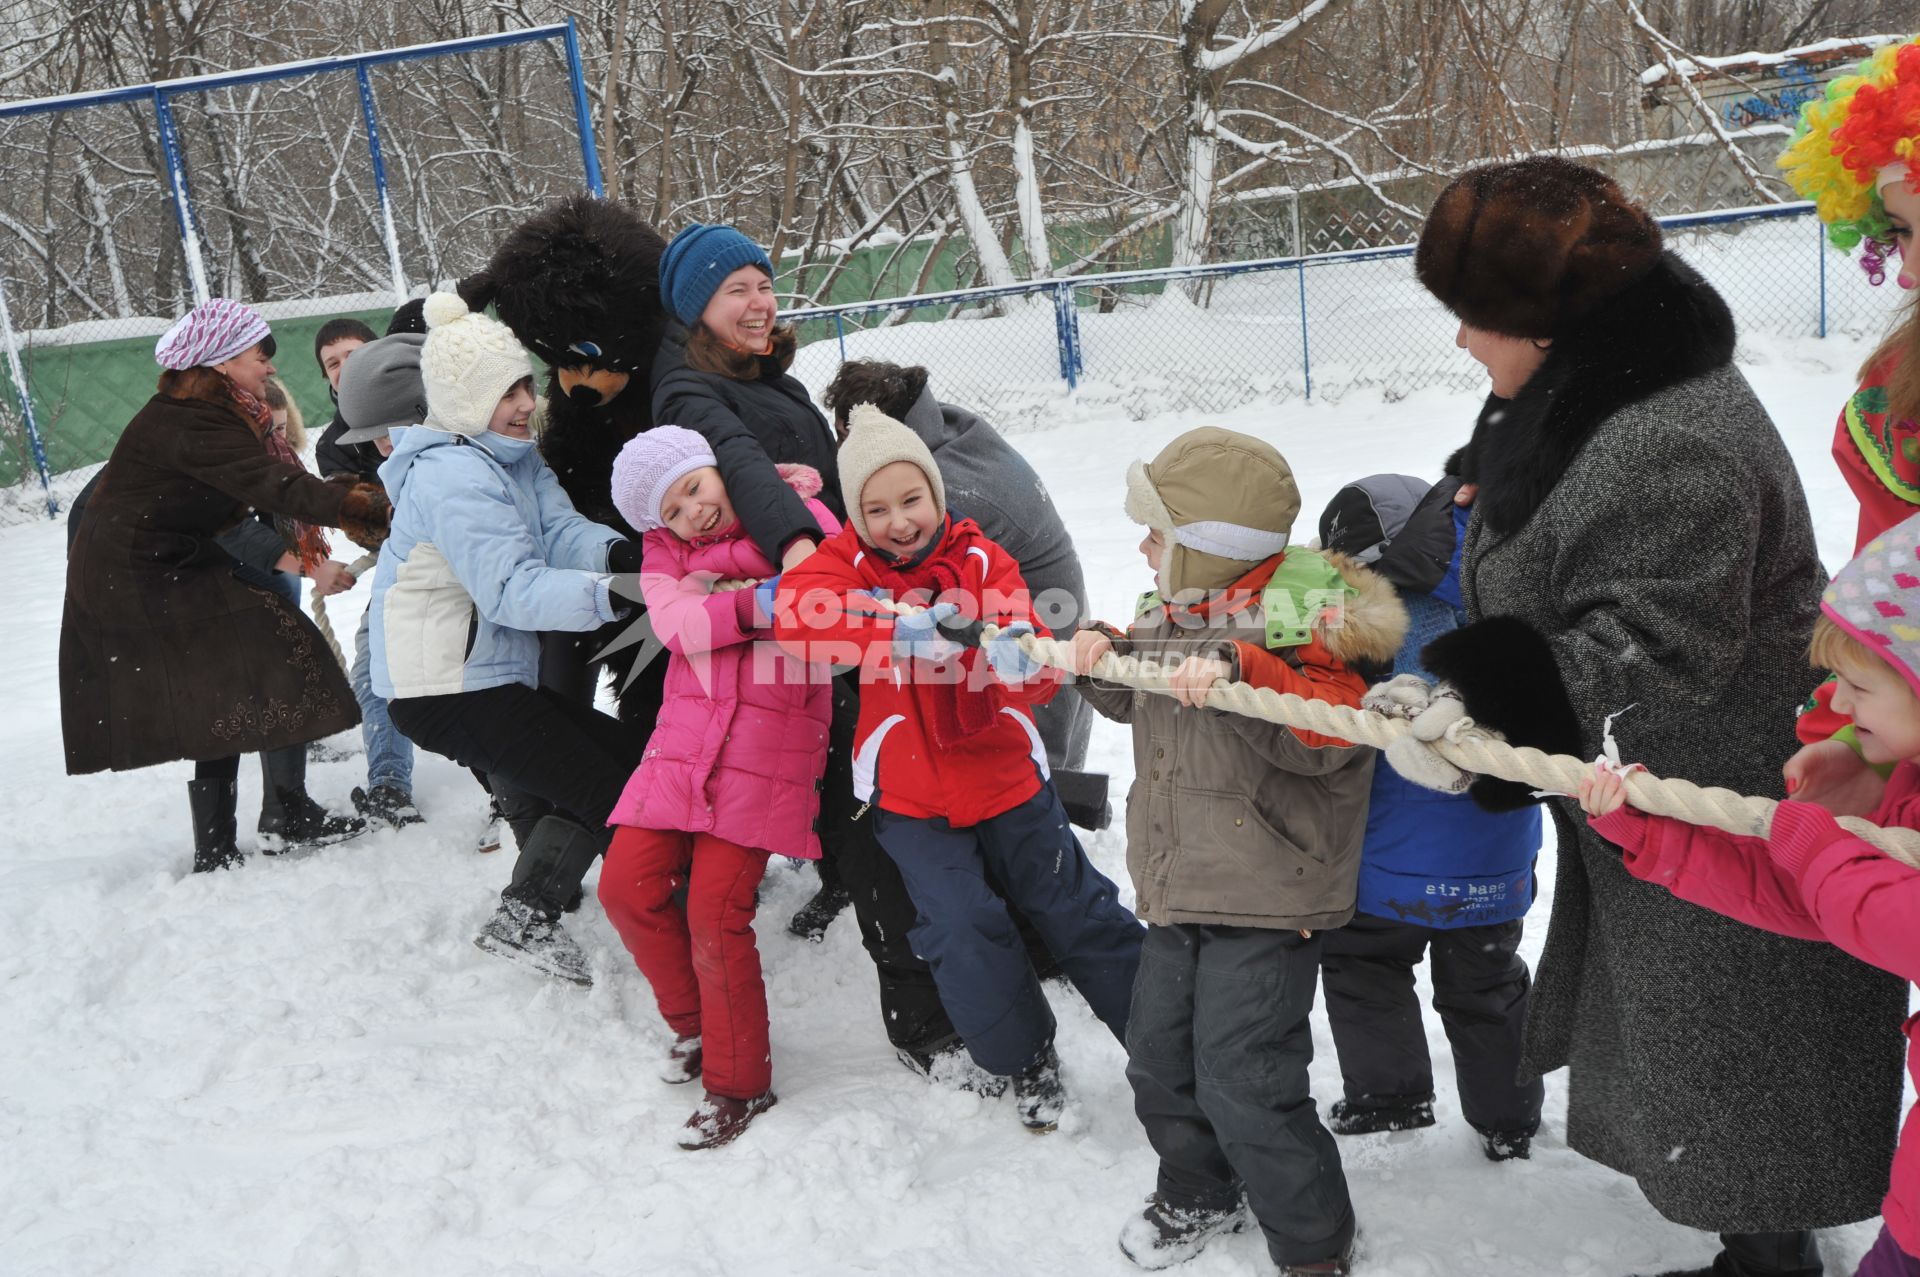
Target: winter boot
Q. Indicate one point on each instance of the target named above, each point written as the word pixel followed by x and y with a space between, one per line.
pixel 811 920
pixel 387 805
pixel 721 1120
pixel 1164 1234
pixel 289 819
pixel 1370 1116
pixel 526 927
pixel 951 1066
pixel 1338 1266
pixel 1785 1254
pixel 1506 1146
pixel 1039 1094
pixel 683 1061
pixel 212 803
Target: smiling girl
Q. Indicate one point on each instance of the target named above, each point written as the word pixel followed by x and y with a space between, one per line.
pixel 486 553
pixel 729 776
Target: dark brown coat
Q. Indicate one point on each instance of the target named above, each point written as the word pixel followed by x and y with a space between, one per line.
pixel 163 653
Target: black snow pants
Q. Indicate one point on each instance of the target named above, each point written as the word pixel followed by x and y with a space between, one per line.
pixel 1480 987
pixel 1218 1046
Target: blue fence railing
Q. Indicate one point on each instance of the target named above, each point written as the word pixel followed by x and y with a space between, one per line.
pixel 1215 336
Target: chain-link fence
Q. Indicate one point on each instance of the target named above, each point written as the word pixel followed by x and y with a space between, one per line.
pixel 337 186
pixel 1214 337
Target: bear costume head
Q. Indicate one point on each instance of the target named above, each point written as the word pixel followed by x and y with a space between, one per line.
pixel 579 285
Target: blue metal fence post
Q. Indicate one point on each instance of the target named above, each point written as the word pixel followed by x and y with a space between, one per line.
pixel 372 119
pixel 840 331
pixel 1066 327
pixel 17 372
pixel 1820 233
pixel 182 208
pixel 1306 350
pixel 582 118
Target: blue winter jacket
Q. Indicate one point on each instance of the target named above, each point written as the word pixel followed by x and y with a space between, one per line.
pixel 1433 859
pixel 485 552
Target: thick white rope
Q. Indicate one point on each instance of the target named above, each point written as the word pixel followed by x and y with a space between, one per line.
pixel 358 568
pixel 1470 750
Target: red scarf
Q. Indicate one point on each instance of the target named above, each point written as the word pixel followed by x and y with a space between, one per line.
pixel 305 541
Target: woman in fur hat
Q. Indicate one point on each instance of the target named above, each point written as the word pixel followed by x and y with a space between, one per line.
pixel 169 648
pixel 1639 546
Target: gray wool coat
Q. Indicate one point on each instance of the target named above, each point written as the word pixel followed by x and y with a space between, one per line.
pixel 1655 536
pixel 992 484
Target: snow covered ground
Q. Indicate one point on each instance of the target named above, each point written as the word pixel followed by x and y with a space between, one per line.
pixel 304 1067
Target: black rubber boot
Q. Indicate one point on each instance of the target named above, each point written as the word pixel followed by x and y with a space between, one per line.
pixel 811 920
pixel 1372 1114
pixel 526 928
pixel 1785 1254
pixel 289 819
pixel 1039 1094
pixel 212 802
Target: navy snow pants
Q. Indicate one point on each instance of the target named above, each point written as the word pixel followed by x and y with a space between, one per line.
pixel 964 933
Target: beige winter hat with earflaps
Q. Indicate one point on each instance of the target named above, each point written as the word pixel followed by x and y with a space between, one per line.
pixel 1224 501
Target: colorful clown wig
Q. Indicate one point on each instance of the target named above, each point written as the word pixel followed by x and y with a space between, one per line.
pixel 1868 120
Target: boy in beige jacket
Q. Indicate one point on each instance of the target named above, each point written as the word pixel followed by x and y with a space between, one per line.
pixel 1243 840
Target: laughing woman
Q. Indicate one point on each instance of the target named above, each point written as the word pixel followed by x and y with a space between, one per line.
pixel 169 648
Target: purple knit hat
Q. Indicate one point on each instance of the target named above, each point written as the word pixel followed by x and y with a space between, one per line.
pixel 1876 598
pixel 651 463
pixel 211 333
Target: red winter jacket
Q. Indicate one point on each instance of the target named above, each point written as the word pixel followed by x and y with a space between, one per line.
pixel 1813 880
pixel 934 740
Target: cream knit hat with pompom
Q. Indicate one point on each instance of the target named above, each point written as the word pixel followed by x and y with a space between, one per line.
pixel 469 363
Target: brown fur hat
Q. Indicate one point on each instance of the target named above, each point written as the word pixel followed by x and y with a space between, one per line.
pixel 1530 247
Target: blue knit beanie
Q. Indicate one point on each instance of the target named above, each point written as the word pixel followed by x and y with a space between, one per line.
pixel 698 260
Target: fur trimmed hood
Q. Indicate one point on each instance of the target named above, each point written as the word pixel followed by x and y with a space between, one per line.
pixel 1373 624
pixel 1667 328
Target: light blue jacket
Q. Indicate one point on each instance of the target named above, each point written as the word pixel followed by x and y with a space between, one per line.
pixel 485 552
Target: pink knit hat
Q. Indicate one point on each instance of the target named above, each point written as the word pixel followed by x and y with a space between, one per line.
pixel 1876 598
pixel 651 463
pixel 211 333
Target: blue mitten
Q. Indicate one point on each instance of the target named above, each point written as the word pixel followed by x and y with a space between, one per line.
pixel 918 635
pixel 1010 661
pixel 763 595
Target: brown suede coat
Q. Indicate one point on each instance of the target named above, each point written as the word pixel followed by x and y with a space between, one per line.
pixel 163 653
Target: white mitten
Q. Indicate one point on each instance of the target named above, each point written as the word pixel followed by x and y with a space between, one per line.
pixel 1402 696
pixel 1432 712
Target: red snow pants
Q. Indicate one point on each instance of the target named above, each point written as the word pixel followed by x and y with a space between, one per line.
pixel 702 963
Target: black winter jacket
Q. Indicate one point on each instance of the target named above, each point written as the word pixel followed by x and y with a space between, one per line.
pixel 361 460
pixel 749 424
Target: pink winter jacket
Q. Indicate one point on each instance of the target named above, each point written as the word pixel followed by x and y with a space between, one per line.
pixel 1813 880
pixel 741 741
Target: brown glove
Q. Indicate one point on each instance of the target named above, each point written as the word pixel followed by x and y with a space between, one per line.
pixel 365 514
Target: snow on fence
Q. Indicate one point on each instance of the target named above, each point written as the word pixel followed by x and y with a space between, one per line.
pixel 1211 338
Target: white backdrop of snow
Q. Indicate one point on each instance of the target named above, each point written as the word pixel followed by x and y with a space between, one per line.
pixel 304 1067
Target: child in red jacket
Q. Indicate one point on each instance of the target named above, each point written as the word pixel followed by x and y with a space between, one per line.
pixel 1810 878
pixel 947 752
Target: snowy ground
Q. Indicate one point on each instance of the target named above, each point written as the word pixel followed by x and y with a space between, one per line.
pixel 304 1067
